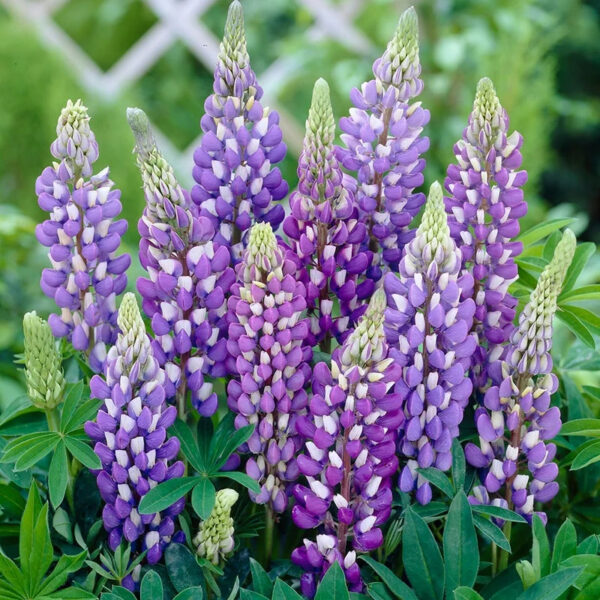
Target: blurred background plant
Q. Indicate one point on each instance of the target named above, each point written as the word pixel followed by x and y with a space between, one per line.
pixel 544 58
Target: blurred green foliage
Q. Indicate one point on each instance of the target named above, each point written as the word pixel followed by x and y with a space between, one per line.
pixel 544 58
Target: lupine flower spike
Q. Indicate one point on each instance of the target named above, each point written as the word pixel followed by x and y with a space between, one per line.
pixel 349 457
pixel 43 363
pixel 130 435
pixel 324 229
pixel 188 274
pixel 427 327
pixel 214 540
pixel 86 274
pixel 384 143
pixel 516 420
pixel 236 183
pixel 484 205
pixel 267 341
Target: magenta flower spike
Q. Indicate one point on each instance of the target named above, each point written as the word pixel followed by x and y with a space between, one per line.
pixel 484 204
pixel 130 435
pixel 349 457
pixel 427 326
pixel 384 143
pixel 236 182
pixel 188 278
pixel 325 231
pixel 267 343
pixel 86 275
pixel 516 422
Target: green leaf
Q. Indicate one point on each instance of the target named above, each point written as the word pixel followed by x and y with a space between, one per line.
pixel 83 453
pixel 437 478
pixel 466 593
pixel 225 446
pixel 498 512
pixel 16 448
pixel 84 412
pixel 541 230
pixel 11 501
pixel 183 570
pixel 333 584
pixel 459 467
pixel 73 593
pixel 461 551
pixel 583 427
pixel 203 497
pixel 13 576
pixel 589 545
pixel 192 593
pixel 58 474
pixel 282 591
pixel 540 549
pixel 492 532
pixel 67 563
pixel 550 245
pixel 378 591
pixel 583 314
pixel 586 292
pixel 27 539
pixel 250 595
pixel 151 587
pixel 421 557
pixel 188 445
pixel 392 581
pixel 552 586
pixel 205 431
pixel 261 582
pixel 565 544
pixel 583 253
pixel 72 397
pixel 241 478
pixel 166 493
pixel 35 452
pixel 62 524
pixel 576 326
pixel 591 565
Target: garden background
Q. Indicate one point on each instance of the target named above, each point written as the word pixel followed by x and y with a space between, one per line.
pixel 157 54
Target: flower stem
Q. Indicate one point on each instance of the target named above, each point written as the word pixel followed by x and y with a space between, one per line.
pixel 270 521
pixel 503 559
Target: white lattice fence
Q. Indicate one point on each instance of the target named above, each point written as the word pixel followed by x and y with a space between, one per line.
pixel 181 20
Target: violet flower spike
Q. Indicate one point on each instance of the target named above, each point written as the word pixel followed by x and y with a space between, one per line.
pixel 484 205
pixel 86 275
pixel 516 421
pixel 236 182
pixel 427 326
pixel 325 232
pixel 130 436
pixel 267 341
pixel 188 278
pixel 384 143
pixel 349 457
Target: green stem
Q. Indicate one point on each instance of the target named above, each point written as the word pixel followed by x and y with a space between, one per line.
pixel 270 522
pixel 503 559
pixel 494 559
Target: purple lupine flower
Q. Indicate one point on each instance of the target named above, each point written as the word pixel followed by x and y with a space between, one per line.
pixel 384 143
pixel 516 421
pixel 236 183
pixel 484 205
pixel 349 457
pixel 324 230
pixel 86 274
pixel 267 341
pixel 189 275
pixel 130 434
pixel 427 326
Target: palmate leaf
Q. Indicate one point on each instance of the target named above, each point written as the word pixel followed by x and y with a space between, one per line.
pixel 492 532
pixel 203 497
pixel 333 585
pixel 16 448
pixel 439 479
pixel 565 544
pixel 282 591
pixel 398 588
pixel 582 427
pixel 583 253
pixel 82 452
pixel 58 474
pixel 189 447
pixel 72 398
pixel 587 454
pixel 573 322
pixel 166 493
pixel 240 478
pixel 552 586
pixel 541 230
pixel 540 548
pixel 261 581
pixel 58 576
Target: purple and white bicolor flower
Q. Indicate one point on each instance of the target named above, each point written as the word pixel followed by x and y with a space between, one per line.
pixel 384 143
pixel 349 458
pixel 236 182
pixel 325 231
pixel 428 325
pixel 267 344
pixel 130 432
pixel 484 204
pixel 86 275
pixel 188 279
pixel 516 422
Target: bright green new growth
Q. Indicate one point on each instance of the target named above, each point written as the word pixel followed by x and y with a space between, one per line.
pixel 262 252
pixel 233 47
pixel 132 341
pixel 215 535
pixel 434 224
pixel 487 115
pixel 43 363
pixel 320 125
pixel 157 174
pixel 73 120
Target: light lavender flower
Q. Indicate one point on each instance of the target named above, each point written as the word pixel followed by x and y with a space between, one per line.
pixel 427 326
pixel 86 275
pixel 516 421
